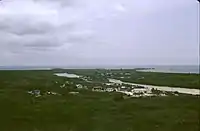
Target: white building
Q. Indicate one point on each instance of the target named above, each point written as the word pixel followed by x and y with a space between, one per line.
pixel 73 93
pixel 62 86
pixel 98 89
pixel 123 87
pixel 79 86
pixel 109 84
pixel 109 89
pixel 141 90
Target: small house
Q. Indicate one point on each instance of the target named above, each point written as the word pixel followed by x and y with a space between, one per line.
pixel 98 89
pixel 139 90
pixel 109 89
pixel 36 93
pixel 79 86
pixel 73 93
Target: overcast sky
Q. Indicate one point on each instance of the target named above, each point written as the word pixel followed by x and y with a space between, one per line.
pixel 98 32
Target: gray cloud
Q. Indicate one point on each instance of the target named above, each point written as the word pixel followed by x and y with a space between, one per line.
pixel 25 27
pixel 60 2
pixel 98 31
pixel 38 32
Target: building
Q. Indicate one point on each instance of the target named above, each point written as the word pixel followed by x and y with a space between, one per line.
pixel 109 89
pixel 62 86
pixel 79 86
pixel 109 84
pixel 36 93
pixel 73 93
pixel 98 89
pixel 140 90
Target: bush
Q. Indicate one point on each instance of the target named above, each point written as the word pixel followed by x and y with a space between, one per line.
pixel 118 97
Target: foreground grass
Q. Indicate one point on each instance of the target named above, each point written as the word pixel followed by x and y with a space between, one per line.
pixel 87 111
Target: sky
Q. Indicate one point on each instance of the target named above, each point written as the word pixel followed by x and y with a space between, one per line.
pixel 98 32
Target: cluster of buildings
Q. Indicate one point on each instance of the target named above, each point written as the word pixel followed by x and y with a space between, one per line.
pixel 102 89
pixel 112 86
pixel 37 93
pixel 133 91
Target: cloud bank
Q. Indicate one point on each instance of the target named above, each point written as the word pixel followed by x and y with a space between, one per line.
pixel 98 32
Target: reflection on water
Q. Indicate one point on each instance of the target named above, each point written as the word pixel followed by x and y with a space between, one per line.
pixel 67 75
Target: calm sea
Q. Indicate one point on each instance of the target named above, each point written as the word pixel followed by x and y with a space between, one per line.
pixel 167 68
pixel 194 69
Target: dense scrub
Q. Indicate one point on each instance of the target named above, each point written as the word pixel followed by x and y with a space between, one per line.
pixel 87 111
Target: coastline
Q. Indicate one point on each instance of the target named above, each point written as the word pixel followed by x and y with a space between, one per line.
pixel 161 88
pixel 180 70
pixel 165 71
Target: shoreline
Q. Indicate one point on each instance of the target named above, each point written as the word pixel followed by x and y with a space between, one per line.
pixel 161 88
pixel 166 71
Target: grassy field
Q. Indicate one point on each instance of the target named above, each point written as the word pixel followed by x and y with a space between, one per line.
pixel 87 111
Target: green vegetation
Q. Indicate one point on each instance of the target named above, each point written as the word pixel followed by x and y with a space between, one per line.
pixel 151 78
pixel 164 79
pixel 87 111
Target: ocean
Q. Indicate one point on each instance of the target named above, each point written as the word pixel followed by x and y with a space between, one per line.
pixel 194 69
